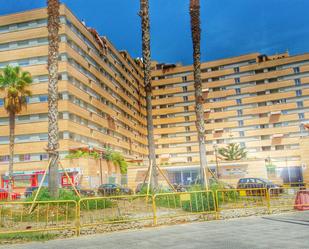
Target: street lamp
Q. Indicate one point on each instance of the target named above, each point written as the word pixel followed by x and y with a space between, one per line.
pixel 216 155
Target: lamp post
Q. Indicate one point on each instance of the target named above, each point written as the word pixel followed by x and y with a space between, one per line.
pixel 216 155
pixel 101 175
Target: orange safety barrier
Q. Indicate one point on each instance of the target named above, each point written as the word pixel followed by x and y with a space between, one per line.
pixel 302 200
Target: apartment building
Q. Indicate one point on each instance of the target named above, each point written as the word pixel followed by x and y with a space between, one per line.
pixel 257 101
pixel 101 95
pixel 260 102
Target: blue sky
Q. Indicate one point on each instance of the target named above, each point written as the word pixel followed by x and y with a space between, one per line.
pixel 229 27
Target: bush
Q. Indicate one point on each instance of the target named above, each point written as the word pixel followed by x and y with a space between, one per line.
pixel 44 195
pixel 68 194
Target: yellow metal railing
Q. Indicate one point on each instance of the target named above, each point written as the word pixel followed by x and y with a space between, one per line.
pixel 114 209
pixel 283 199
pixel 17 217
pixel 179 204
pixel 228 199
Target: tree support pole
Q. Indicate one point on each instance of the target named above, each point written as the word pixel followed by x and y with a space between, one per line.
pixel 40 186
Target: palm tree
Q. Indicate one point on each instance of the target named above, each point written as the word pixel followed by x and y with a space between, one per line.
pixel 53 53
pixel 144 14
pixel 232 152
pixel 14 82
pixel 199 109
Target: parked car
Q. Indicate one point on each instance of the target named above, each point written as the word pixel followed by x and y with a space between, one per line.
pixel 4 195
pixel 86 192
pixel 29 191
pixel 82 191
pixel 113 189
pixel 258 183
pixel 179 187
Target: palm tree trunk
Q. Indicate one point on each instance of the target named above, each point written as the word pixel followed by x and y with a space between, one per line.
pixel 11 162
pixel 144 14
pixel 199 101
pixel 53 52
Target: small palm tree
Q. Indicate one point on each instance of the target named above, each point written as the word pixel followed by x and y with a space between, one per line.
pixel 14 83
pixel 232 152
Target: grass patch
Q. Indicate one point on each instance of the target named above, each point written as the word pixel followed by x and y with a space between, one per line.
pixel 31 236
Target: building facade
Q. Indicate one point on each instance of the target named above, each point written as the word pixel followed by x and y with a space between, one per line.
pixel 101 94
pixel 257 101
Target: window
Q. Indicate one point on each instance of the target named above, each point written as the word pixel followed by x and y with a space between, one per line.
pixel 277 124
pixel 300 104
pixel 185 89
pixel 236 69
pixel 273 90
pixel 184 78
pixel 237 80
pixel 297 82
pixel 239 113
pixel 301 116
pixel 298 92
pixel 43 157
pixel 43 98
pixel 1 102
pixel 185 98
pixel 263 115
pixel 265 137
pixel 25 157
pixel 4 158
pixel 241 133
pixel 240 123
pixel 189 159
pixel 262 104
pixel 237 90
pixel 218 109
pixel 266 148
pixel 238 101
pixel 263 126
pixel 279 147
pixel 296 69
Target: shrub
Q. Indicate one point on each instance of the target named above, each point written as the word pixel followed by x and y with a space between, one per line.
pixel 44 195
pixel 68 194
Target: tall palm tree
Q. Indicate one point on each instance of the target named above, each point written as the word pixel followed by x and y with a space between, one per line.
pixel 53 26
pixel 144 14
pixel 199 109
pixel 14 82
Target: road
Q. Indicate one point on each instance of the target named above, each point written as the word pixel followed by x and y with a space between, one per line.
pixel 275 231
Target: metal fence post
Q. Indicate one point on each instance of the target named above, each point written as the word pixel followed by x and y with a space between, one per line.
pixel 268 200
pixel 217 205
pixel 154 209
pixel 77 220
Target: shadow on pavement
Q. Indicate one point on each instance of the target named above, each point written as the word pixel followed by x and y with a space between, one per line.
pixel 291 221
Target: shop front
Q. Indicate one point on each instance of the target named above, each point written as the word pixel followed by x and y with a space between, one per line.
pixel 24 179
